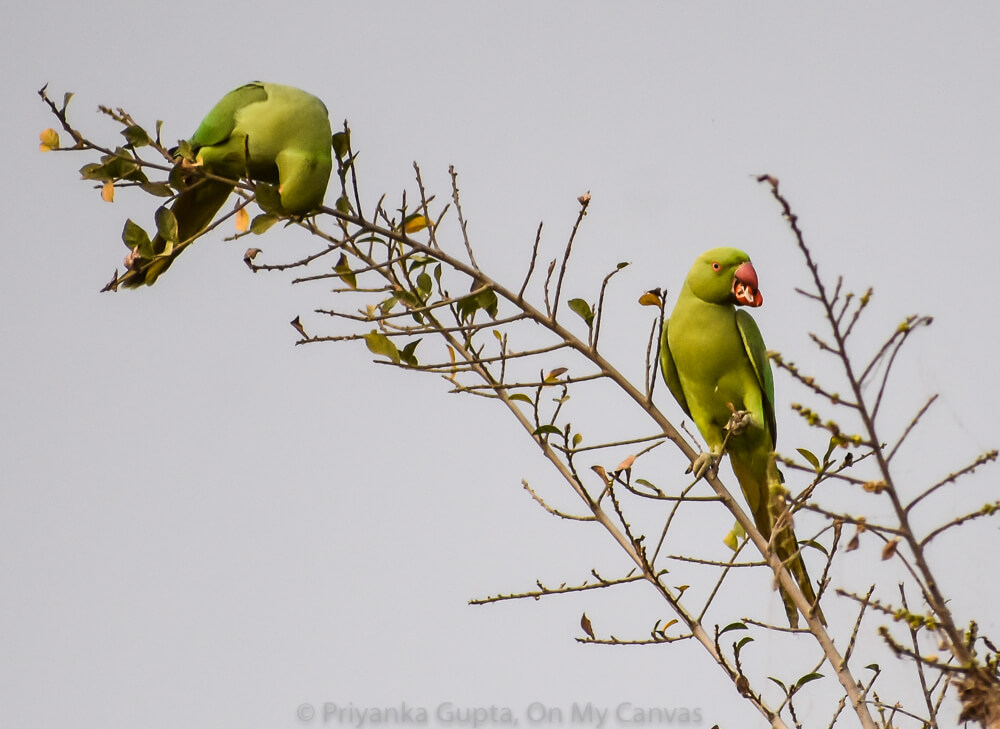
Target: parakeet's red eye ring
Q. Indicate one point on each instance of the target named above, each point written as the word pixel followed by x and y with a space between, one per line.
pixel 716 266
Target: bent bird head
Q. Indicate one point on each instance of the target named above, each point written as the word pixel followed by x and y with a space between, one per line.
pixel 725 276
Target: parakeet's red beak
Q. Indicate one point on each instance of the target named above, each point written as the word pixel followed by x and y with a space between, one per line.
pixel 745 286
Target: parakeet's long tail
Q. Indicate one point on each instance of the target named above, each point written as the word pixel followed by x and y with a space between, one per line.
pixel 766 497
pixel 194 209
pixel 786 546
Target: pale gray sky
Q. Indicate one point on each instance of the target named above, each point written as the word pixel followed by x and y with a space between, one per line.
pixel 203 526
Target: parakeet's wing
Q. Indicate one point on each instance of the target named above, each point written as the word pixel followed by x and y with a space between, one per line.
pixel 219 123
pixel 669 371
pixel 757 352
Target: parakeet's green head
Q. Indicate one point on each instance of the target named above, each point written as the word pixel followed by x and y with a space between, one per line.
pixel 724 276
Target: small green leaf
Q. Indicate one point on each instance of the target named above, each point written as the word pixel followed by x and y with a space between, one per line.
pixel 520 396
pixel 159 189
pixel 343 269
pixel 178 177
pixel 623 264
pixel 341 144
pixel 378 343
pixel 118 166
pixel 407 353
pixel 733 626
pixel 344 205
pixel 743 641
pixel 815 545
pixel 577 439
pixel 419 260
pixel 487 300
pixel 154 269
pixel 829 450
pixel 410 299
pixel 783 687
pixel 136 135
pixel 582 309
pixel 268 198
pixel 386 306
pixel 185 150
pixel 546 429
pixel 467 307
pixel 262 223
pixel 806 679
pixel 94 171
pixel 809 456
pixel 874 667
pixel 424 284
pixel 134 237
pixel 166 224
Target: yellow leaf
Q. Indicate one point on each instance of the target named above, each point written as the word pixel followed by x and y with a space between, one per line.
pixel 49 140
pixel 554 375
pixel 890 548
pixel 730 540
pixel 242 220
pixel 627 463
pixel 415 223
pixel 108 192
pixel 650 298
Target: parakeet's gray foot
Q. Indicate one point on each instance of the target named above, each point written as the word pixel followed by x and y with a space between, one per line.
pixel 739 421
pixel 706 461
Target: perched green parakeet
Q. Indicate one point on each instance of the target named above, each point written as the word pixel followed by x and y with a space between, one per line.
pixel 262 131
pixel 713 359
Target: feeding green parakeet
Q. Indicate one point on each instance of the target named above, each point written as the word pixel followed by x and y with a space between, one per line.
pixel 265 132
pixel 713 359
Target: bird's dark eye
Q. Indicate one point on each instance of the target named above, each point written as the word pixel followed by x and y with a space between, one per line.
pixel 716 266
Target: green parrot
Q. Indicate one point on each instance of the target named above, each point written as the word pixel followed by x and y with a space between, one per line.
pixel 713 360
pixel 265 132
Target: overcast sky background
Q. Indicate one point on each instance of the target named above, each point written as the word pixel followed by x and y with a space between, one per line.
pixel 202 525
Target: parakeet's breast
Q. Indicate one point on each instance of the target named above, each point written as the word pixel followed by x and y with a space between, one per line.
pixel 711 360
